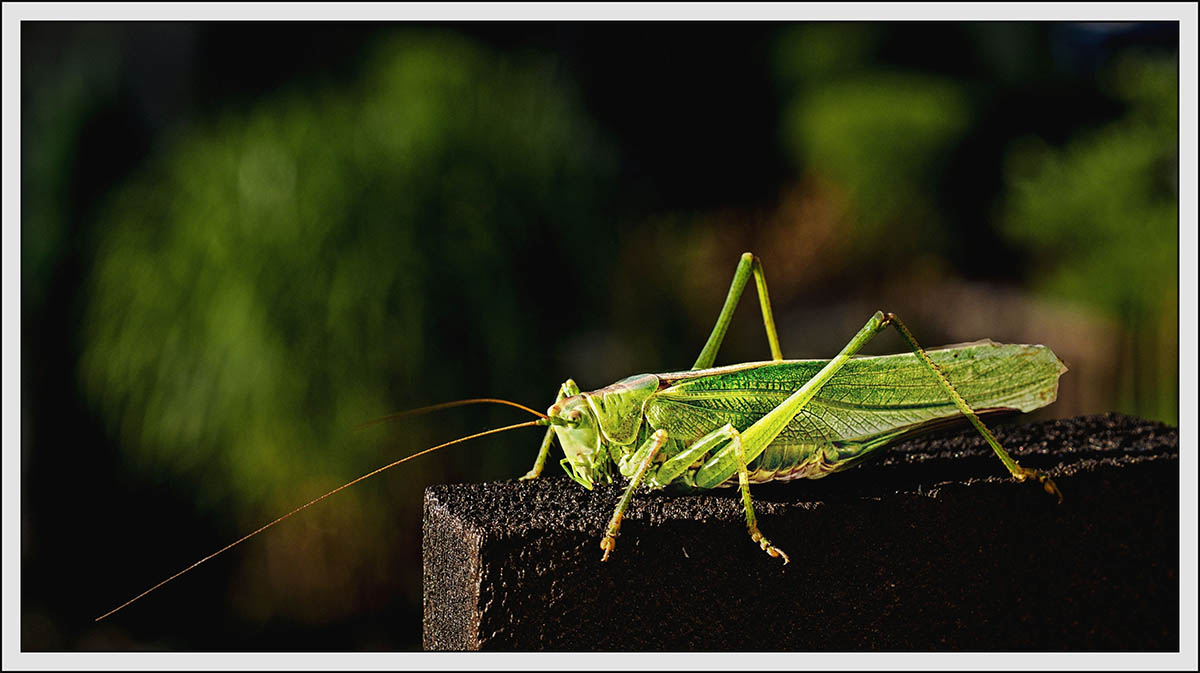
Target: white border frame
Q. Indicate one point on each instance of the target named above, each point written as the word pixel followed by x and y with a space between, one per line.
pixel 14 13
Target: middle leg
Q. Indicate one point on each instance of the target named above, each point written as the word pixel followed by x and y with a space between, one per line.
pixel 739 452
pixel 722 439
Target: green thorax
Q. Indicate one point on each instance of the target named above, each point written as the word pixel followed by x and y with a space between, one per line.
pixel 618 407
pixel 598 422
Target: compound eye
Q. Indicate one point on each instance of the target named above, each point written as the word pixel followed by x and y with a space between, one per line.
pixel 573 416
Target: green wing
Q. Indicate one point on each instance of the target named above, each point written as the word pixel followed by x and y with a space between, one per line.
pixel 871 400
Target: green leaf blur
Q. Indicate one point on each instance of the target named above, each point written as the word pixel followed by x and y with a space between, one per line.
pixel 1100 218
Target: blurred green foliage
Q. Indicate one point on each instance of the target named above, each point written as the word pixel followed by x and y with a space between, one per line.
pixel 68 94
pixel 1094 223
pixel 873 143
pixel 277 276
pixel 881 138
pixel 1100 220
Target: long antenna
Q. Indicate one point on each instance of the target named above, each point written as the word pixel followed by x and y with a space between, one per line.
pixel 445 405
pixel 527 424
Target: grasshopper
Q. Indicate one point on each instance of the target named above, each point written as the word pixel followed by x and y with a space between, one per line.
pixel 778 419
pixel 785 419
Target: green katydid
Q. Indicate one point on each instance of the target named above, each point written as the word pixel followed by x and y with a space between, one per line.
pixel 772 420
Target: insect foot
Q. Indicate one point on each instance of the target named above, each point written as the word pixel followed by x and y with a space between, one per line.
pixel 1042 478
pixel 608 544
pixel 1048 484
pixel 768 547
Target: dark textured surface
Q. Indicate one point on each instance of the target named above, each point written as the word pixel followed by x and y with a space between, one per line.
pixel 932 547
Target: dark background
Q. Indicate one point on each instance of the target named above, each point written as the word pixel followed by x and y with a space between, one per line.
pixel 239 240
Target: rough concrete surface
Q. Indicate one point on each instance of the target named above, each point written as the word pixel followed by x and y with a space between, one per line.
pixel 931 547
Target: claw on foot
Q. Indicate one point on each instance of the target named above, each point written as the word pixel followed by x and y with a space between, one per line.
pixel 771 549
pixel 1050 487
pixel 1042 478
pixel 532 474
pixel 608 544
pixel 774 551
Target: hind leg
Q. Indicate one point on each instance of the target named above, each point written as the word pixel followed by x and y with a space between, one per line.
pixel 748 265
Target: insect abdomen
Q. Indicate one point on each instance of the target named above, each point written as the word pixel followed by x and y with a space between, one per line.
pixel 786 462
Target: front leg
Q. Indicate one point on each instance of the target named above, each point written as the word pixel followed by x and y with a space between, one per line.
pixel 567 389
pixel 648 451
